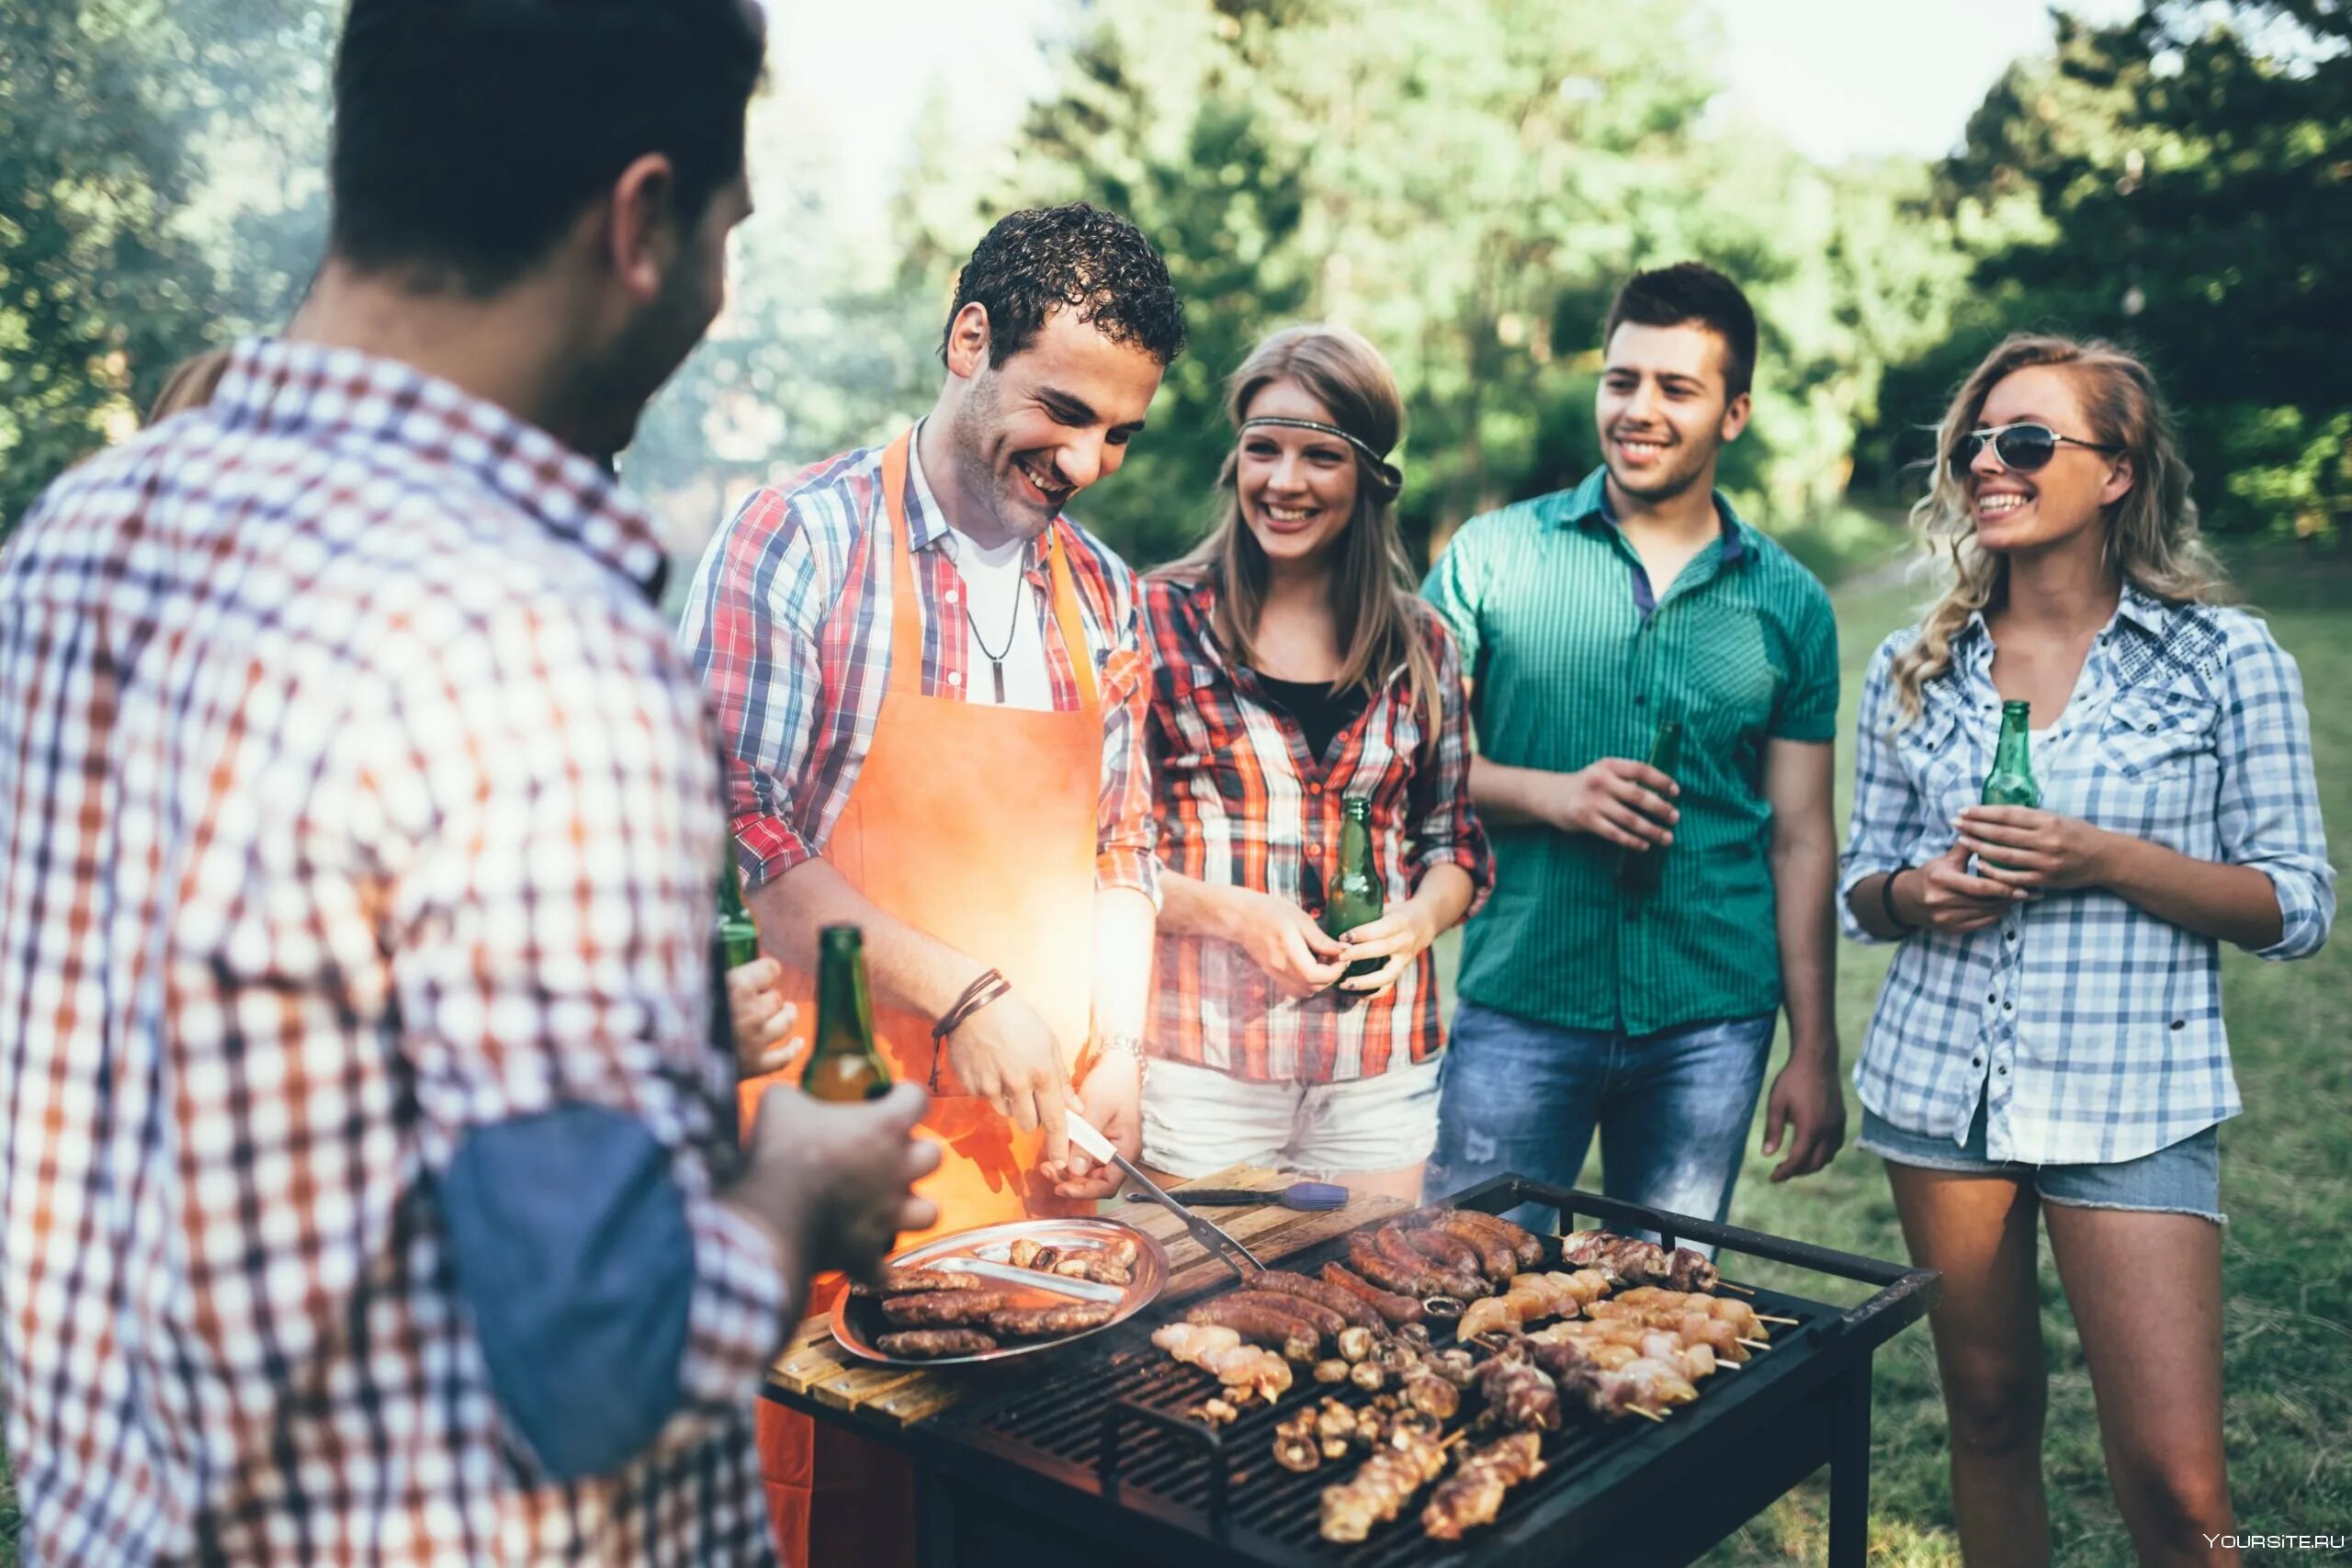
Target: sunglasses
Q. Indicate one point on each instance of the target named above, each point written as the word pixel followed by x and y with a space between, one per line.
pixel 2022 449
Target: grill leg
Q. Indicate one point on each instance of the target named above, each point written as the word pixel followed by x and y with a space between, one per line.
pixel 1849 1471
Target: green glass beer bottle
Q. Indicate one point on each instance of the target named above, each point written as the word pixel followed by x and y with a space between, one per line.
pixel 1355 894
pixel 2011 781
pixel 845 1063
pixel 734 942
pixel 1638 870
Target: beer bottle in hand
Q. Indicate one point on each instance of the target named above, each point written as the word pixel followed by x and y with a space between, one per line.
pixel 2011 781
pixel 1638 870
pixel 845 1063
pixel 1355 892
pixel 734 942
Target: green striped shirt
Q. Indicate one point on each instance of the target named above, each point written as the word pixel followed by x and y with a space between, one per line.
pixel 1569 668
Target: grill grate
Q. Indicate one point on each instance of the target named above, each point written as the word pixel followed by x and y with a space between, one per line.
pixel 1273 1513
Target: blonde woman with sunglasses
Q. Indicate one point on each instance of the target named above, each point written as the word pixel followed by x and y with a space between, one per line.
pixel 2048 1046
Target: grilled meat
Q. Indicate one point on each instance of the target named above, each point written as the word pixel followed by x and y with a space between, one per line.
pixel 916 1281
pixel 1473 1495
pixel 931 1342
pixel 1039 1323
pixel 944 1309
pixel 1394 1310
pixel 1260 1325
pixel 1322 1293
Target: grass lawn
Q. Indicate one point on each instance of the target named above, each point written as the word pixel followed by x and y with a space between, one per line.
pixel 2287 1183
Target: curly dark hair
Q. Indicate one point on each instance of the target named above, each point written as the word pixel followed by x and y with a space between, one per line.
pixel 1069 258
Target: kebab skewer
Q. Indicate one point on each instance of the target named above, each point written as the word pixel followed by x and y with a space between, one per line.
pixel 1409 1460
pixel 1473 1495
pixel 1633 1261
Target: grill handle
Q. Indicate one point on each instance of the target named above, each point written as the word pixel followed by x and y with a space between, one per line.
pixel 1115 1416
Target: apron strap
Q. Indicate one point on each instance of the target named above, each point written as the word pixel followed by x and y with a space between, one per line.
pixel 906 630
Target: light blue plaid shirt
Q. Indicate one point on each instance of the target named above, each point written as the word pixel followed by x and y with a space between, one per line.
pixel 2091 1028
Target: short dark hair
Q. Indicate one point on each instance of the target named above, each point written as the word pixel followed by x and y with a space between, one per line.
pixel 1069 258
pixel 468 134
pixel 1691 294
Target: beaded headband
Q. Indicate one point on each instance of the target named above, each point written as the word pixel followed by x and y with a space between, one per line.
pixel 1391 478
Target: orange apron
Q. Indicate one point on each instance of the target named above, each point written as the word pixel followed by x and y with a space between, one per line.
pixel 974 825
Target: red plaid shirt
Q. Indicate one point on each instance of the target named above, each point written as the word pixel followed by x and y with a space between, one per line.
pixel 352 796
pixel 789 624
pixel 1242 804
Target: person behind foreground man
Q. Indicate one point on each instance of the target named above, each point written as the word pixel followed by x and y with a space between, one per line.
pixel 1588 618
pixel 2050 1035
pixel 372 1189
pixel 932 695
pixel 1292 670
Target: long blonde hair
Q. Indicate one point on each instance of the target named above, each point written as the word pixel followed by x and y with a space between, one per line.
pixel 2151 535
pixel 1373 600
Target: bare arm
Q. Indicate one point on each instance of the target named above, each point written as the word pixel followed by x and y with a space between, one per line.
pixel 1804 880
pixel 1807 1105
pixel 1511 797
pixel 905 967
pixel 2230 903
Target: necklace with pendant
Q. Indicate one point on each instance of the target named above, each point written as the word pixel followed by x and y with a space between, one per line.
pixel 1011 628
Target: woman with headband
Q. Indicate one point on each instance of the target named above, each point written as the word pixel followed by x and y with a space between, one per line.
pixel 1295 669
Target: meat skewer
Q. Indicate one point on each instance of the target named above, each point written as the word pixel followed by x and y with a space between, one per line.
pixel 1379 1491
pixel 1742 1316
pixel 1394 1310
pixel 1473 1495
pixel 1638 1262
pixel 1246 1368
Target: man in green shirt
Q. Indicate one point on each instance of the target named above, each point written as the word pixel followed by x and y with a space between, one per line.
pixel 1594 996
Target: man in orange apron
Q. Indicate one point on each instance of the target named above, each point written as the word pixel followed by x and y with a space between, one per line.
pixel 933 694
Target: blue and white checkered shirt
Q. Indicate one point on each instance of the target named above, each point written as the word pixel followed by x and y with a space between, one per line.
pixel 2091 1027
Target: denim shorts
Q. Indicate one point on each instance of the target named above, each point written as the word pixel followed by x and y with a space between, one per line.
pixel 2179 1178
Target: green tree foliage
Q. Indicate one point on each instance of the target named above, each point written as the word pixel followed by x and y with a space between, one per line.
pixel 109 274
pixel 1466 184
pixel 2182 182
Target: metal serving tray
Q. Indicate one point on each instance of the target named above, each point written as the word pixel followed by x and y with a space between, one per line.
pixel 984 1252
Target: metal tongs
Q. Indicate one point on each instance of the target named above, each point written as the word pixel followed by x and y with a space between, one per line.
pixel 1213 1239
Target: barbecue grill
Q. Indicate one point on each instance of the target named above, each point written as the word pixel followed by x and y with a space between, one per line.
pixel 1090 1458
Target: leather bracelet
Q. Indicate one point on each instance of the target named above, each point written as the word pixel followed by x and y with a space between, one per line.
pixel 988 987
pixel 1902 928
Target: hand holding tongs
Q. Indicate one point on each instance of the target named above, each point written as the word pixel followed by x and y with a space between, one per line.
pixel 1213 1239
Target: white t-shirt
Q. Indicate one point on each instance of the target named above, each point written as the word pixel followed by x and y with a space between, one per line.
pixel 998 602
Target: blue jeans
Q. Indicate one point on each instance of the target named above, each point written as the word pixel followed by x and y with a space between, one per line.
pixel 1673 1108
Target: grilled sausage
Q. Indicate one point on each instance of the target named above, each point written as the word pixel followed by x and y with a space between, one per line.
pixel 1445 1250
pixel 1365 1256
pixel 915 1281
pixel 926 1343
pixel 944 1309
pixel 1327 1322
pixel 1435 1279
pixel 1247 1313
pixel 1087 1264
pixel 1358 1313
pixel 1394 1310
pixel 1496 1260
pixel 1523 1243
pixel 1037 1322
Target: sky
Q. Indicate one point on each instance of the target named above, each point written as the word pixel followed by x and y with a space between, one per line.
pixel 1837 78
pixel 1845 78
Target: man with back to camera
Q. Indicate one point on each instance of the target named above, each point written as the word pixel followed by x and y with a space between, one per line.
pixel 373 1189
pixel 935 695
pixel 1585 618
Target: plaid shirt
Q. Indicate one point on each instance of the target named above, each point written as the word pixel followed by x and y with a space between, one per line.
pixel 352 798
pixel 788 623
pixel 1243 804
pixel 2092 1028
